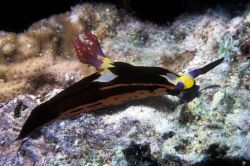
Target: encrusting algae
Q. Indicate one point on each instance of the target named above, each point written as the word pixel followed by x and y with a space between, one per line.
pixel 46 48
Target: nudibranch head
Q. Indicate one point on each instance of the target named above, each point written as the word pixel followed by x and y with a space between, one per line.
pixel 185 82
pixel 89 51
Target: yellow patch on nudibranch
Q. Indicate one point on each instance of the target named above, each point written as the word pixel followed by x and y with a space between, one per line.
pixel 106 62
pixel 104 59
pixel 187 80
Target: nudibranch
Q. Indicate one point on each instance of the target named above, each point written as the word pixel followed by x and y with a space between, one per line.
pixel 114 83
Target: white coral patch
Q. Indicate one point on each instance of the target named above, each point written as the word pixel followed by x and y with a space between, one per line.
pixel 74 17
pixel 159 121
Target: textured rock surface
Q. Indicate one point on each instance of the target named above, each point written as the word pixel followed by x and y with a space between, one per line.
pixel 214 127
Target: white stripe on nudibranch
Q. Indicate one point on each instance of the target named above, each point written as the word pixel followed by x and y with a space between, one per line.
pixel 171 78
pixel 106 76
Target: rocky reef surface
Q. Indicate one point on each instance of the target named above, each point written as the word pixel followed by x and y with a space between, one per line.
pixel 214 128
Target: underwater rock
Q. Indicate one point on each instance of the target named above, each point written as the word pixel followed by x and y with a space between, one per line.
pixel 214 127
pixel 8 43
pixel 247 147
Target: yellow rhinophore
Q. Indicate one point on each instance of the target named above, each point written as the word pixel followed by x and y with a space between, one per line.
pixel 106 62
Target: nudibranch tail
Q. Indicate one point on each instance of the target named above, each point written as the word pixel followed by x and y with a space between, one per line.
pixel 41 115
pixel 89 51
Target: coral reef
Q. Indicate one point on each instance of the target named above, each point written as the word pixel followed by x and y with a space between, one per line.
pixel 214 127
pixel 38 53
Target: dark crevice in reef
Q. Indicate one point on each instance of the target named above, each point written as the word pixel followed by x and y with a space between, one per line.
pixel 215 156
pixel 17 16
pixel 140 155
pixel 19 108
pixel 225 161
